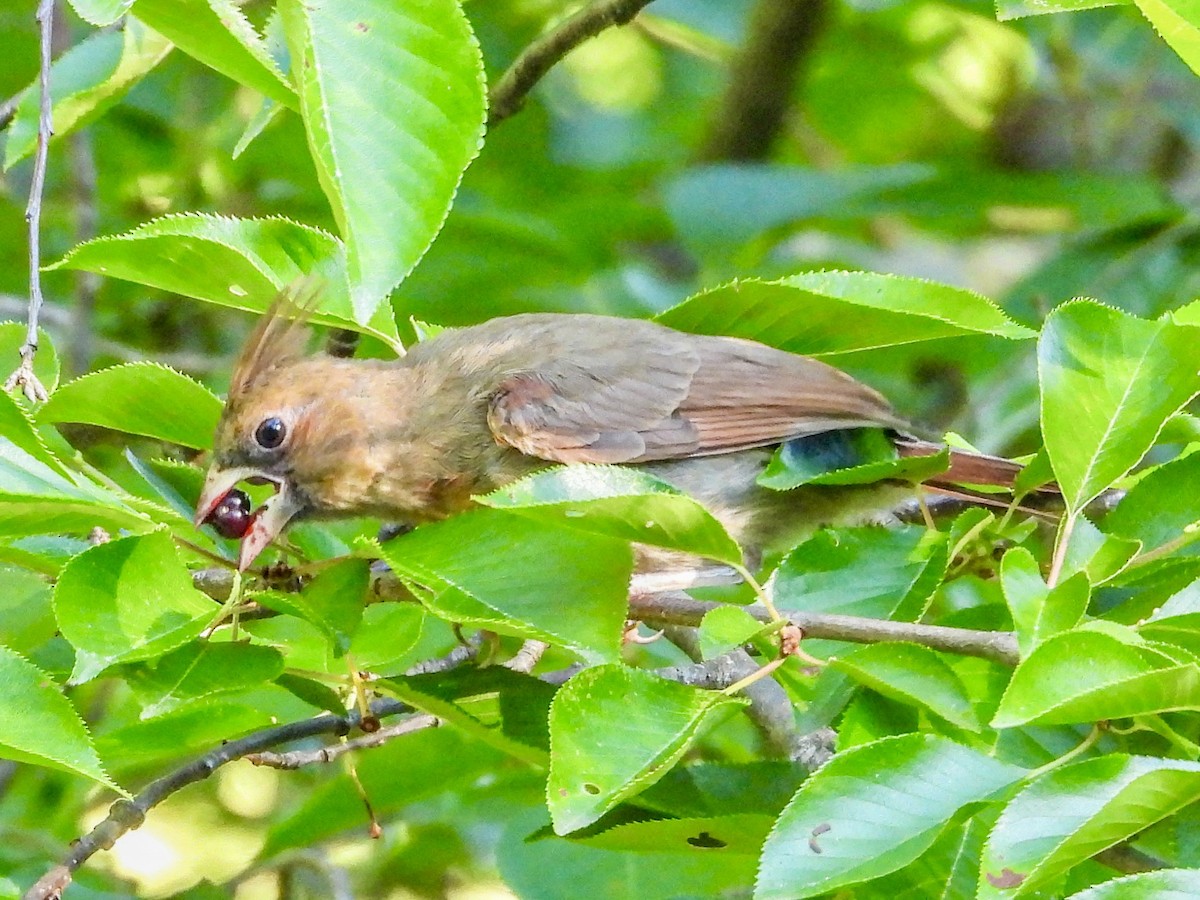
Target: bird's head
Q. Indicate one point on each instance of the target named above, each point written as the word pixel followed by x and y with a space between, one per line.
pixel 265 434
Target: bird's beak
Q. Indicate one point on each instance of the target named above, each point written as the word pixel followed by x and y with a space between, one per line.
pixel 267 522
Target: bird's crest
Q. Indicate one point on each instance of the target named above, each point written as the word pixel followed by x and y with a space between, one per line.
pixel 280 336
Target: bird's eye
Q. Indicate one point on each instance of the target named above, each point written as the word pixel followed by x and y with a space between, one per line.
pixel 270 433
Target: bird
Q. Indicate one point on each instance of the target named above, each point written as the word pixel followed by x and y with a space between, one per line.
pixel 473 409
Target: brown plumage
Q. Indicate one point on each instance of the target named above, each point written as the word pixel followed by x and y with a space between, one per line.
pixel 475 408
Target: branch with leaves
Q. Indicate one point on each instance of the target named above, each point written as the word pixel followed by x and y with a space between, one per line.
pixel 126 815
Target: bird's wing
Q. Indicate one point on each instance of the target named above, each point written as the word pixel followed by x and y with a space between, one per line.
pixel 655 394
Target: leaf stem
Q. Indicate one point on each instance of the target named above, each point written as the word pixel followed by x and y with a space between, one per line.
pixel 1081 748
pixel 1060 548
pixel 759 591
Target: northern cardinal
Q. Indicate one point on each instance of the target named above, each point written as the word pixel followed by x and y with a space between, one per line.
pixel 472 409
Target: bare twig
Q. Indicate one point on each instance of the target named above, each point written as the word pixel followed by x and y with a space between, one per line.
pixel 528 656
pixel 294 759
pixel 770 708
pixel 763 78
pixel 509 93
pixel 126 815
pixel 452 660
pixel 24 377
pixel 998 646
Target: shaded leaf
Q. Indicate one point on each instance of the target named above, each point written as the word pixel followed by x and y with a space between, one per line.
pixel 615 730
pixel 201 669
pixel 84 82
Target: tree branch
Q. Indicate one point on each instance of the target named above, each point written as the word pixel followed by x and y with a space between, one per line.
pixel 126 815
pixel 998 646
pixel 508 95
pixel 770 707
pixel 763 78
pixel 23 377
pixel 295 759
pixel 677 608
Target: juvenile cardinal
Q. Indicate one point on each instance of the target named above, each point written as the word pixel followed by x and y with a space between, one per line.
pixel 414 439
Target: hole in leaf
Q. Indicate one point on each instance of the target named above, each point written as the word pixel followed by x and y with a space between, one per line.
pixel 706 841
pixel 591 788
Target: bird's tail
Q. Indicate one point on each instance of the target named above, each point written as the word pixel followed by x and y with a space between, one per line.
pixel 967 467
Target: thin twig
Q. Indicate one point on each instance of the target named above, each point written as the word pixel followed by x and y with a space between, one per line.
pixel 998 646
pixel 528 656
pixel 509 93
pixel 23 377
pixel 126 815
pixel 770 708
pixel 295 759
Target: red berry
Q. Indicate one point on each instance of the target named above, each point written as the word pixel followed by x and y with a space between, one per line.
pixel 232 518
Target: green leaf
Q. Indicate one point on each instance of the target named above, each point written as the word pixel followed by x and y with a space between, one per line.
pixel 100 12
pixel 333 601
pixel 84 82
pixel 1177 22
pixel 39 725
pixel 872 572
pixel 871 810
pixel 513 574
pixel 618 502
pixel 827 313
pixel 1062 683
pixel 37 498
pixel 217 33
pixel 26 616
pixel 914 675
pixel 538 866
pixel 139 398
pixel 16 426
pixel 1109 382
pixel 615 730
pixel 1007 10
pixel 1161 507
pixel 388 632
pixel 1039 612
pixel 495 705
pixel 402 772
pixel 807 461
pixel 416 70
pixel 127 600
pixel 729 836
pixel 241 263
pixel 1072 813
pixel 726 628
pixel 202 669
pixel 1100 556
pixel 1165 884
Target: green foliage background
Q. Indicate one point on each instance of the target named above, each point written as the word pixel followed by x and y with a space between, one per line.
pixel 948 181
